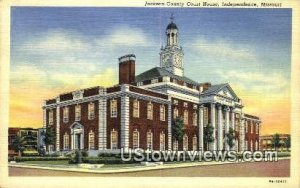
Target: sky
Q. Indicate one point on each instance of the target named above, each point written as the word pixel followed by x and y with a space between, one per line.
pixel 56 50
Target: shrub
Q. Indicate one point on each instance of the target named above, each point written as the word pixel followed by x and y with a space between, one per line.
pixel 22 159
pixel 84 153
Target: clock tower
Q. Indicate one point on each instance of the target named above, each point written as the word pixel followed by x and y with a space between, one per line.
pixel 171 56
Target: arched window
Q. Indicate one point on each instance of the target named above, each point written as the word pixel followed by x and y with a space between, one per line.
pixel 185 142
pixel 194 143
pixel 162 139
pixel 114 139
pixel 91 140
pixel 185 117
pixel 136 108
pixel 135 139
pixel 175 113
pixel 66 141
pixel 150 111
pixel 162 113
pixel 149 140
pixel 195 118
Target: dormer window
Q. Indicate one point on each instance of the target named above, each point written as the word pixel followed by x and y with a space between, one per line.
pixel 140 84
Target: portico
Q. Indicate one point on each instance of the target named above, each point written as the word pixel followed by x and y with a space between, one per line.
pixel 224 105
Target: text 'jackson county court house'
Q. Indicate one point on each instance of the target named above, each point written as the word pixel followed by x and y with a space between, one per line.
pixel 139 111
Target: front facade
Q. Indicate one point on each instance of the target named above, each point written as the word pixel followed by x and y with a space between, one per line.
pixel 139 111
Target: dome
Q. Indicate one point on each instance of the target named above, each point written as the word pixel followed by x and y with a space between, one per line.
pixel 172 25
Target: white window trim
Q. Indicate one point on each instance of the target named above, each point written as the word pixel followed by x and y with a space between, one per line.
pixel 185 147
pixel 186 117
pixel 195 143
pixel 162 113
pixel 162 135
pixel 136 110
pixel 66 141
pixel 111 140
pixel 51 117
pixel 77 117
pixel 90 114
pixel 89 141
pixel 150 139
pixel 138 139
pixel 195 119
pixel 113 108
pixel 66 114
pixel 150 111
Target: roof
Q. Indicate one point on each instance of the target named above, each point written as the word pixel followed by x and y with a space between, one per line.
pixel 160 72
pixel 214 89
pixel 172 25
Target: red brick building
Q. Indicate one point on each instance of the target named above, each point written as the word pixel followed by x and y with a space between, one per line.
pixel 139 111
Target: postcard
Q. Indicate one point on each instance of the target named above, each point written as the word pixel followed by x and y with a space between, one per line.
pixel 150 93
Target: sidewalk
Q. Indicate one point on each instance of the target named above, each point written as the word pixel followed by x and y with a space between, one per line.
pixel 123 169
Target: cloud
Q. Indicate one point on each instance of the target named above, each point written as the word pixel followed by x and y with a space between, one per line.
pixel 124 35
pixel 57 41
pixel 223 50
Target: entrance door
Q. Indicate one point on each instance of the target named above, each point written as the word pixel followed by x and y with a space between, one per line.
pixel 77 141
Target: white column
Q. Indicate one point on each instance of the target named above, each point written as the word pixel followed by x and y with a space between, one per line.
pixel 102 132
pixel 242 133
pixel 44 117
pixel 213 145
pixel 201 128
pixel 227 126
pixel 125 119
pixel 57 128
pixel 220 128
pixel 170 126
pixel 232 119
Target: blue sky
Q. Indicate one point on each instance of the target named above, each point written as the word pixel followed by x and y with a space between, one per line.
pixel 70 48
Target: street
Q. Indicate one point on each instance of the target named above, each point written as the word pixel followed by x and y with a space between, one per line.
pixel 251 169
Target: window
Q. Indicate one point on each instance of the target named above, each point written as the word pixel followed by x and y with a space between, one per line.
pixel 136 109
pixel 51 117
pixel 251 127
pixel 175 102
pixel 91 140
pixel 195 117
pixel 194 87
pixel 185 104
pixel 77 113
pixel 162 146
pixel 162 113
pixel 246 127
pixel 246 145
pixel 66 114
pixel 175 145
pixel 91 112
pixel 185 117
pixel 184 84
pixel 175 113
pixel 149 140
pixel 139 83
pixel 150 111
pixel 114 139
pixel 135 139
pixel 66 141
pixel 257 128
pixel 113 108
pixel 185 141
pixel 205 116
pixel 194 143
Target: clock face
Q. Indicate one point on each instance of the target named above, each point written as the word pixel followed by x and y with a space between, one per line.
pixel 166 60
pixel 178 61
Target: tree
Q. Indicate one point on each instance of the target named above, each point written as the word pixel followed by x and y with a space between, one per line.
pixel 177 128
pixel 50 136
pixel 208 136
pixel 19 144
pixel 230 138
pixel 276 141
pixel 287 142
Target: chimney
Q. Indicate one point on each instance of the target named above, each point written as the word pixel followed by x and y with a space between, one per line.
pixel 127 69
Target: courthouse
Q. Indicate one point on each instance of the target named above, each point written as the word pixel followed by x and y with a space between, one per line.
pixel 139 111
